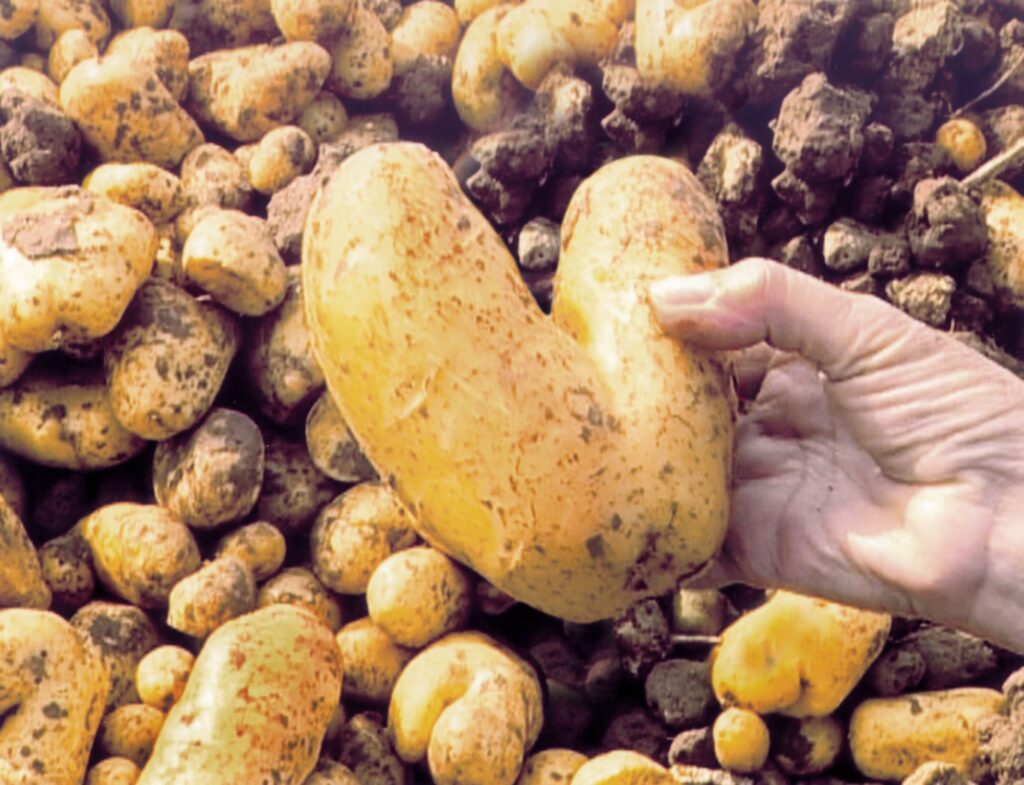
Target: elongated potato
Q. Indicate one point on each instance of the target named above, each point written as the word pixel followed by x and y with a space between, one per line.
pixel 21 577
pixel 256 705
pixel 579 463
pixel 484 91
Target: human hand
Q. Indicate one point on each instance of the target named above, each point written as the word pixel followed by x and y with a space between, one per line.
pixel 881 463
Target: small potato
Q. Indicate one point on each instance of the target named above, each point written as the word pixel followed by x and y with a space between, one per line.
pixel 164 52
pixel 427 27
pixel 244 93
pixel 361 59
pixel 313 20
pixel 113 771
pixel 891 737
pixel 56 415
pixel 71 262
pixel 294 490
pixel 130 731
pixel 17 18
pixel 259 545
pixel 332 446
pixel 153 191
pixel 808 746
pixel 21 576
pixel 324 118
pixel 485 92
pixel 217 592
pixel 232 256
pixel 12 486
pixel 56 16
pixel 1004 216
pixel 964 141
pixel 257 704
pixel 279 157
pixel 741 740
pixel 213 176
pixel 417 595
pixel 622 767
pixel 140 551
pixel 328 772
pixel 372 660
pixel 67 569
pixel 161 675
pixel 52 691
pixel 363 745
pixel 31 82
pixel 298 586
pixel 142 13
pixel 73 47
pixel 127 113
pixel 551 767
pixel 166 361
pixel 280 366
pixel 355 533
pixel 213 474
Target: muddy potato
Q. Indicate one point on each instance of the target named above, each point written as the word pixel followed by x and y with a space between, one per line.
pixel 280 366
pixel 18 18
pixel 231 256
pixel 260 545
pixel 69 50
pixel 31 82
pixel 21 576
pixel 279 157
pixel 808 746
pixel 1004 216
pixel 161 675
pixel 328 772
pixel 361 59
pixel 484 91
pixel 355 533
pixel 222 24
pixel 130 731
pixel 372 660
pixel 213 176
pixel 324 118
pixel 891 737
pixel 427 27
pixel 572 489
pixel 167 359
pixel 796 655
pixel 246 92
pixel 741 740
pixel 56 16
pixel 12 486
pixel 622 767
pixel 217 592
pixel 417 595
pixel 52 692
pixel 139 551
pixel 71 262
pixel 164 52
pixel 212 475
pixel 60 415
pixel 298 586
pixel 294 490
pixel 322 21
pixel 142 13
pixel 364 746
pixel 67 569
pixel 113 771
pixel 551 767
pixel 153 191
pixel 468 706
pixel 332 447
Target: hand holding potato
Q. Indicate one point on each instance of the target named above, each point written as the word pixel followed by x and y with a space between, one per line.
pixel 880 462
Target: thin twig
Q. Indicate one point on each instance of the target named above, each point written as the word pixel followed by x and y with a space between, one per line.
pixel 695 640
pixel 1018 61
pixel 1010 157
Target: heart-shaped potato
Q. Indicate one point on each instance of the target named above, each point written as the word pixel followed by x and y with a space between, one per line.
pixel 578 462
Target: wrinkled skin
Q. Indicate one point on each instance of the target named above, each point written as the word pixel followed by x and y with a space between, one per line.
pixel 879 463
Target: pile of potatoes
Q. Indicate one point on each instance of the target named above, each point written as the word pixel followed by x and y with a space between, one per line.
pixel 268 515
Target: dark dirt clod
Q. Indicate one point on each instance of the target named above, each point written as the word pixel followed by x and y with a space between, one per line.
pixel 679 693
pixel 639 99
pixel 643 637
pixel 693 748
pixel 422 92
pixel 636 729
pixel 946 226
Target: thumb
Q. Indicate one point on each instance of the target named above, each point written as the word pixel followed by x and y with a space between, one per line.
pixel 761 300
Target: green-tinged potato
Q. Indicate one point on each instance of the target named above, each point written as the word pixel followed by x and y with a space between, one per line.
pixel 56 16
pixel 67 569
pixel 598 478
pixel 328 772
pixel 361 62
pixel 417 595
pixel 796 655
pixel 212 475
pixel 142 13
pixel 324 118
pixel 155 192
pixel 217 592
pixel 121 635
pixel 17 18
pixel 485 93
pixel 891 737
pixel 60 415
pixel 139 550
pixel 13 361
pixel 52 692
pixel 807 746
pixel 294 490
pixel 256 706
pixel 554 766
pixel 298 586
pixel 167 359
pixel 322 21
pixel 1004 215
pixel 691 47
pixel 372 660
pixel 31 82
pixel 232 256
pixel 71 262
pixel 259 545
pixel 332 447
pixel 69 50
pixel 113 771
pixel 12 486
pixel 279 157
pixel 365 747
pixel 130 731
pixel 427 27
pixel 164 52
pixel 21 576
pixel 280 365
pixel 741 740
pixel 127 113
pixel 468 706
pixel 162 674
pixel 621 767
pixel 355 533
pixel 244 93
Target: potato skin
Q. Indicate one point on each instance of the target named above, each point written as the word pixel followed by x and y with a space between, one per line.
pixel 21 576
pixel 622 767
pixel 298 586
pixel 256 706
pixel 162 674
pixel 594 468
pixel 373 661
pixel 332 447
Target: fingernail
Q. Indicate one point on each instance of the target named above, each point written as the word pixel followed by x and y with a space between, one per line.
pixel 682 290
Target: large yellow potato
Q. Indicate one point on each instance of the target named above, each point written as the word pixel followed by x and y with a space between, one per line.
pixel 579 462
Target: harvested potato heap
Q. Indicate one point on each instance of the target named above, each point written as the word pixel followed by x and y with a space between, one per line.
pixel 273 519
